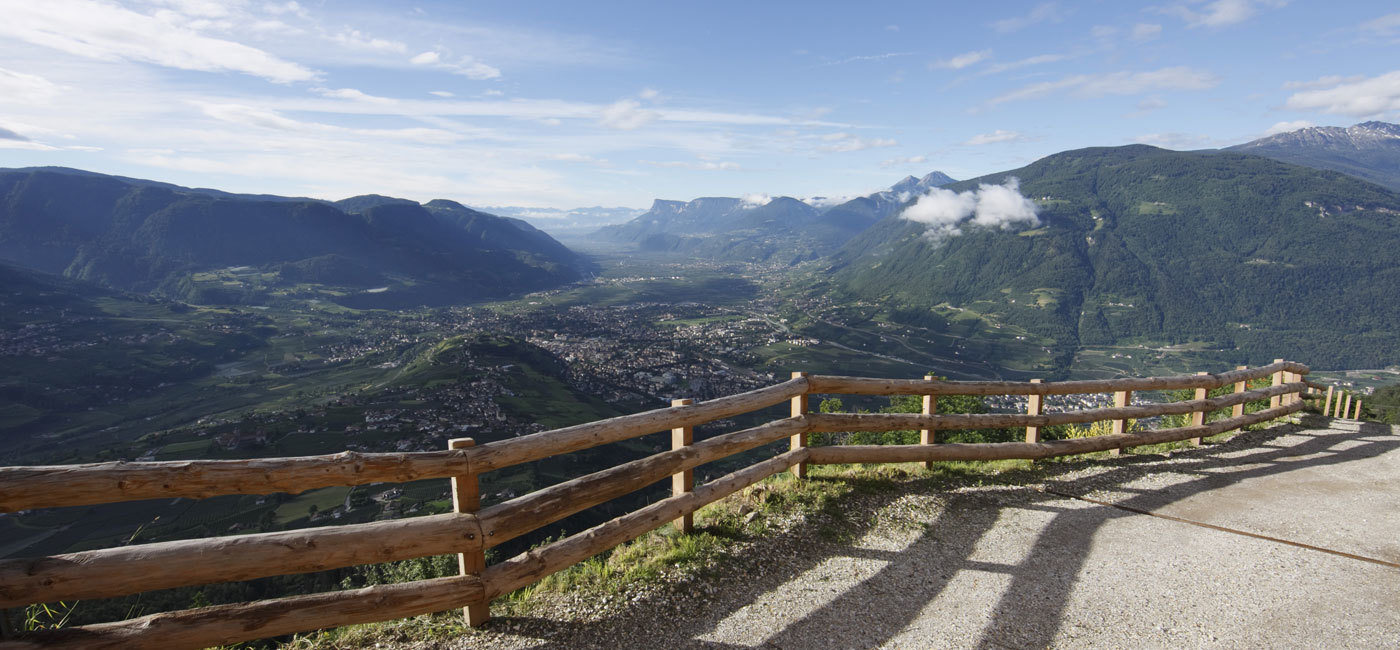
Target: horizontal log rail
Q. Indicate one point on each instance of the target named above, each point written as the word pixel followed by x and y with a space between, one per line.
pixel 1034 450
pixel 132 569
pixel 830 384
pixel 109 572
pixel 226 624
pixel 510 519
pixel 51 486
pixel 824 422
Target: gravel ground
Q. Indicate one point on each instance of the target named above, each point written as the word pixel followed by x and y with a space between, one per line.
pixel 1034 566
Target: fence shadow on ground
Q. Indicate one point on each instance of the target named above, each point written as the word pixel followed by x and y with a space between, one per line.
pixel 878 608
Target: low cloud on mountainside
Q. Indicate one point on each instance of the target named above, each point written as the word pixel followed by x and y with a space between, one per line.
pixel 945 212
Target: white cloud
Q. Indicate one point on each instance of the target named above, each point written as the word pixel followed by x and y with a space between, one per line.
pixel 992 206
pixel 106 32
pixel 352 95
pixel 1116 83
pixel 1103 31
pixel 1220 13
pixel 626 114
pixel 868 57
pixel 1385 27
pixel 441 93
pixel 910 160
pixel 1175 140
pixel 7 134
pixel 995 137
pixel 25 88
pixel 1321 82
pixel 1146 31
pixel 1363 98
pixel 702 165
pixel 962 60
pixel 845 142
pixel 1046 11
pixel 1151 104
pixel 1285 127
pixel 354 39
pixel 755 200
pixel 1039 59
pixel 649 93
pixel 285 8
pixel 467 66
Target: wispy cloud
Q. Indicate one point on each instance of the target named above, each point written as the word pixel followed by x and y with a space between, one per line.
pixel 465 66
pixel 962 60
pixel 1366 97
pixel 996 136
pixel 698 165
pixel 1285 127
pixel 899 162
pixel 1115 83
pixel 1219 13
pixel 1044 12
pixel 106 32
pixel 1143 32
pixel 25 88
pixel 1176 140
pixel 1039 59
pixel 867 57
pixel 627 114
pixel 846 142
pixel 7 134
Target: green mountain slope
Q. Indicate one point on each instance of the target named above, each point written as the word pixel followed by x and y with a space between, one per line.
pixel 377 251
pixel 1255 257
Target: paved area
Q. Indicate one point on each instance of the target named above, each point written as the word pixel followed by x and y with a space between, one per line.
pixel 1288 537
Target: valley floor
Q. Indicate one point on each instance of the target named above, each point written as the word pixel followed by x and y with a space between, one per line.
pixel 1279 537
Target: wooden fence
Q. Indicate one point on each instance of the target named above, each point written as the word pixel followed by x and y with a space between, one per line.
pixel 471 529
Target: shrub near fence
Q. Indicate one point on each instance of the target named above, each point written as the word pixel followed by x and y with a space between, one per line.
pixel 471 529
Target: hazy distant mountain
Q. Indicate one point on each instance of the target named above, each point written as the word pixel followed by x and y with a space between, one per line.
pixel 856 215
pixel 1139 244
pixel 1370 150
pixel 567 223
pixel 782 229
pixel 146 236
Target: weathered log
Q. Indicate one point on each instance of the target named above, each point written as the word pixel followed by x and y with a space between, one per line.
pixel 1032 451
pixel 533 565
pixel 831 384
pixel 535 446
pixel 897 421
pixel 510 519
pixel 132 569
pixel 227 624
pixel 50 486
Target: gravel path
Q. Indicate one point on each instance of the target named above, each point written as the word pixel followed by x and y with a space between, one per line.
pixel 1039 566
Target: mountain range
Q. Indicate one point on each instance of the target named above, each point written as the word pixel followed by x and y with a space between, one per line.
pixel 375 251
pixel 1369 150
pixel 782 229
pixel 1138 244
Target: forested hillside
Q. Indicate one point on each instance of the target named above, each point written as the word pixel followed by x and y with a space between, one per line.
pixel 1137 244
pixel 374 251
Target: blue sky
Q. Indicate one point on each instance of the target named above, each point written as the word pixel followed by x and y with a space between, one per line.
pixel 566 104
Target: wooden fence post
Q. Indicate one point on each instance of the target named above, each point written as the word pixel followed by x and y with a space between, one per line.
pixel 685 481
pixel 926 436
pixel 1346 411
pixel 1035 404
pixel 466 497
pixel 1120 399
pixel 1240 387
pixel 799 409
pixel 1199 417
pixel 1277 400
pixel 1327 403
pixel 1357 415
